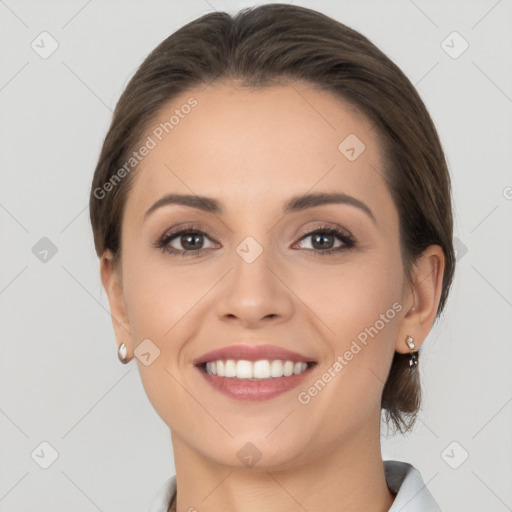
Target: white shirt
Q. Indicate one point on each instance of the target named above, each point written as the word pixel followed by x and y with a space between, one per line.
pixel 403 479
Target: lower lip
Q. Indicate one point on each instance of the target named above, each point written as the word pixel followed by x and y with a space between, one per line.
pixel 264 389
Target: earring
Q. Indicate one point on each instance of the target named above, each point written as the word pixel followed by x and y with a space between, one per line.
pixel 121 353
pixel 413 360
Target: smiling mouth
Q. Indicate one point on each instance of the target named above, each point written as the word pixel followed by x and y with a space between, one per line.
pixel 261 370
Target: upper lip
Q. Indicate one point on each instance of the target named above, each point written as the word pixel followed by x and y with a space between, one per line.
pixel 252 353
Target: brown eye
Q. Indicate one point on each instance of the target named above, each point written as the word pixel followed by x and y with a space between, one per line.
pixel 323 240
pixel 185 241
pixel 191 240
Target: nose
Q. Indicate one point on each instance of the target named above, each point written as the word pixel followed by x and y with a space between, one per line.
pixel 254 293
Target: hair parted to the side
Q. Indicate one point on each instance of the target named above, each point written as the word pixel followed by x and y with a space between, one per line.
pixel 278 44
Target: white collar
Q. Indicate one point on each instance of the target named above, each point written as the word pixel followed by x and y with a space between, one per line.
pixel 403 479
pixel 412 494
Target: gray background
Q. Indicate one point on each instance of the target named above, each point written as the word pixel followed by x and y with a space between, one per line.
pixel 60 379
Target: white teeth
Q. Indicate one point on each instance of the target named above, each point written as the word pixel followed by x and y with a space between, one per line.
pixel 262 369
pixel 288 368
pixel 297 368
pixel 276 368
pixel 244 370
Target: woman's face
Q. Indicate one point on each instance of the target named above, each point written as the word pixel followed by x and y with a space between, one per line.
pixel 264 270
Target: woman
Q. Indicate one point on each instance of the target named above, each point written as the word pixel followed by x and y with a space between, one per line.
pixel 272 212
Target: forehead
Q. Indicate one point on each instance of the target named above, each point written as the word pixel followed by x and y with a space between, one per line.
pixel 251 146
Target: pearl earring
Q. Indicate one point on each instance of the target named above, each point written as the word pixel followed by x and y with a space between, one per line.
pixel 121 353
pixel 413 360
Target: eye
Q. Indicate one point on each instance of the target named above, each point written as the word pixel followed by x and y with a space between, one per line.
pixel 323 240
pixel 186 241
pixel 189 241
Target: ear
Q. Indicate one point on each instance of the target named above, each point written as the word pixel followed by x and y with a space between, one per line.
pixel 422 297
pixel 112 282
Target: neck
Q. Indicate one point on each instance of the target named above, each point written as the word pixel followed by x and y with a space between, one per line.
pixel 347 477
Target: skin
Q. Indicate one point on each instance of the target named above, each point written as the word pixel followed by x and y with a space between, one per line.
pixel 252 150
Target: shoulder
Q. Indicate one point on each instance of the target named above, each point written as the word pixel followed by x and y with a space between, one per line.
pixel 412 494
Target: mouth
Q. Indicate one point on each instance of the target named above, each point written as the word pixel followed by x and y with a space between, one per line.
pixel 253 353
pixel 248 372
pixel 263 369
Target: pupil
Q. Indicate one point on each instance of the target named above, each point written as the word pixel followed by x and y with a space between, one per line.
pixel 321 245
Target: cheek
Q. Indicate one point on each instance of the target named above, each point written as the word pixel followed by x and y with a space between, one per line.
pixel 160 303
pixel 358 309
pixel 351 297
pixel 157 293
pixel 361 305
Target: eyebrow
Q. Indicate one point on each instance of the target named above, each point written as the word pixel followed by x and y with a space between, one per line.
pixel 295 204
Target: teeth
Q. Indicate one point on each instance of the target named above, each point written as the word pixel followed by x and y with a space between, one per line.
pixel 263 369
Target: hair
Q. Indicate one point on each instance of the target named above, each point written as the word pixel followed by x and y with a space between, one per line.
pixel 276 44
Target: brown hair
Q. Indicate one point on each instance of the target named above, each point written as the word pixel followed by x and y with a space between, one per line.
pixel 272 44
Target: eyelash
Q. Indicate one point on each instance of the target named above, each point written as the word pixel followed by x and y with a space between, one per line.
pixel 348 241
